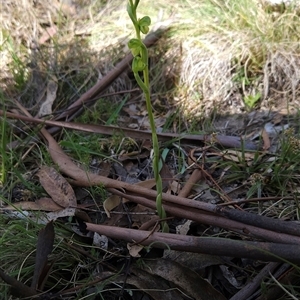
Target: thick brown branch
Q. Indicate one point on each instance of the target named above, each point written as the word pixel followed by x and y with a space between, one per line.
pixel 202 217
pixel 263 222
pixel 107 80
pixel 191 139
pixel 215 246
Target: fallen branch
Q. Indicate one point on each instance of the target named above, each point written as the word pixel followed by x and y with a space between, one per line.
pixel 180 206
pixel 276 225
pixel 202 217
pixel 107 80
pixel 254 284
pixel 214 246
pixel 191 139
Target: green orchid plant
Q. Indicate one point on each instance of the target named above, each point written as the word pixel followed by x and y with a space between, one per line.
pixel 140 66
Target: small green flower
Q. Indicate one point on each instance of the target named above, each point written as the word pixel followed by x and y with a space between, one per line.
pixel 135 46
pixel 144 24
pixel 138 64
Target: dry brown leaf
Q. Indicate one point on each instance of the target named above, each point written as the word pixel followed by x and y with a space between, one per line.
pixel 238 156
pixel 149 184
pixel 47 34
pixel 57 187
pixel 66 212
pixel 266 139
pixel 134 155
pixel 17 288
pixel 114 201
pixel 156 287
pixel 197 262
pixel 111 203
pixel 43 249
pixel 142 214
pixel 46 204
pixel 129 165
pixel 134 250
pixel 277 119
pixel 46 107
pixel 184 278
pixel 184 228
pixel 174 187
pixel 166 176
pixel 104 168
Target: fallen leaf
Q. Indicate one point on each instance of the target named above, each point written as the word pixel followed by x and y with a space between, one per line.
pixel 158 288
pixel 238 156
pixel 103 168
pixel 111 203
pixel 135 155
pixel 197 262
pixel 43 249
pixel 174 187
pixel 187 280
pixel 149 184
pixel 166 176
pixel 114 201
pixel 184 228
pixel 100 241
pixel 141 215
pixel 47 204
pixel 277 119
pixel 204 192
pixel 44 203
pixel 266 139
pixel 18 288
pixel 134 250
pixel 47 34
pixel 52 216
pixel 57 187
pixel 46 107
pixel 231 278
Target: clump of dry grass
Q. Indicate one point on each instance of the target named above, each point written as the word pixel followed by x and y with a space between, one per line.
pixel 232 50
pixel 216 54
pixel 21 26
pixel 43 42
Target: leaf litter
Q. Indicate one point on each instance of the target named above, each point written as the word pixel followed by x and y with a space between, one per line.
pixel 210 172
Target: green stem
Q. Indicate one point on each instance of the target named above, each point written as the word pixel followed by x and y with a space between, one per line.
pixel 132 14
pixel 145 86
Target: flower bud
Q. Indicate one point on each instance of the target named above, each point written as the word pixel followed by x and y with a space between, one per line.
pixel 135 46
pixel 144 24
pixel 138 64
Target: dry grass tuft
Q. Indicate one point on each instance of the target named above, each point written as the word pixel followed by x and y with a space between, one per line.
pixel 216 55
pixel 281 80
pixel 235 50
pixel 64 43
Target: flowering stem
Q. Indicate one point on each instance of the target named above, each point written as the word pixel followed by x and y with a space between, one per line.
pixel 140 64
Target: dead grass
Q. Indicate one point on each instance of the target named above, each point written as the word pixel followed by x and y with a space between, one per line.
pixel 234 50
pixel 216 55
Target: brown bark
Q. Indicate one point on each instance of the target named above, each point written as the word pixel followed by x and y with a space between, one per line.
pixel 190 139
pixel 279 226
pixel 215 246
pixel 212 219
pixel 107 80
